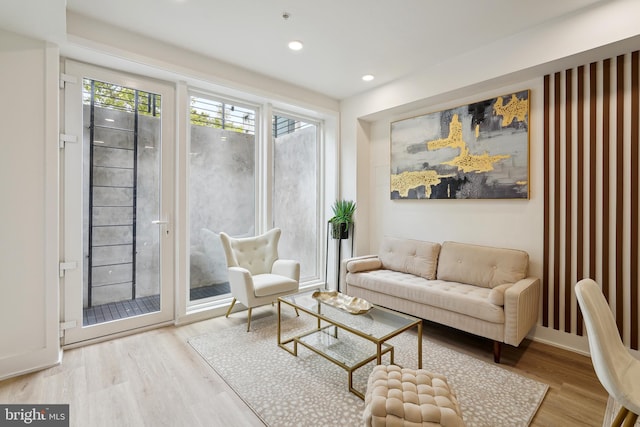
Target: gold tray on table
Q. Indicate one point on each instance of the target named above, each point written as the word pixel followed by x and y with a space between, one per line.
pixel 353 305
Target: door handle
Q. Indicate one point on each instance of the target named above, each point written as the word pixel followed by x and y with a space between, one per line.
pixel 157 221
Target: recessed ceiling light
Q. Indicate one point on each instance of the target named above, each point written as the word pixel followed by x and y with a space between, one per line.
pixel 367 77
pixel 295 45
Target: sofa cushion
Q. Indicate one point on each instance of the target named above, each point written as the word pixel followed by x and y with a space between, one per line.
pixel 457 297
pixel 481 265
pixel 410 256
pixel 364 264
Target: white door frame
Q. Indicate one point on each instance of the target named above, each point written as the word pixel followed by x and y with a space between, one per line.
pixel 72 206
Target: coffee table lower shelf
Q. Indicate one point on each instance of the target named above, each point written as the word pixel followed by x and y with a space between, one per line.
pixel 340 347
pixel 350 341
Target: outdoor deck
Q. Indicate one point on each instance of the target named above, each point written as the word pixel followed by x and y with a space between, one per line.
pixel 143 305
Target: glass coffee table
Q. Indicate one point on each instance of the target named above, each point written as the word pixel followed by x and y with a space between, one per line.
pixel 344 338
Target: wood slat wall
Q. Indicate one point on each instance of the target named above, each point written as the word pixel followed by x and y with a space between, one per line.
pixel 591 191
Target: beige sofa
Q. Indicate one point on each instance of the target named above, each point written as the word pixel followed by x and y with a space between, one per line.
pixel 478 289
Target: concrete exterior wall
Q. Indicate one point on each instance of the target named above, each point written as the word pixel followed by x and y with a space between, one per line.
pixel 112 271
pixel 295 198
pixel 221 198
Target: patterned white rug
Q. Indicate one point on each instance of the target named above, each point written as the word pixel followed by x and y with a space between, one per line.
pixel 308 390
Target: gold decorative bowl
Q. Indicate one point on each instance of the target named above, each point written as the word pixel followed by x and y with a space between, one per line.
pixel 353 305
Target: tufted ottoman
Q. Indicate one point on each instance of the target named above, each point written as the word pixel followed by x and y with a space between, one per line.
pixel 409 397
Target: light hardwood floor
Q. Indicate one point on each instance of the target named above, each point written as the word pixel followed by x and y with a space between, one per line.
pixel 156 379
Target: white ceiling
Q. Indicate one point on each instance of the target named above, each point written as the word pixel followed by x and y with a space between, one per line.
pixel 344 39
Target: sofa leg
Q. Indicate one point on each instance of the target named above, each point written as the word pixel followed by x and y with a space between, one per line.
pixel 497 347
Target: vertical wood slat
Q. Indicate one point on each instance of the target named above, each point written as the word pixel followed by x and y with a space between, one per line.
pixel 556 203
pixel 600 242
pixel 619 197
pixel 593 82
pixel 606 128
pixel 568 280
pixel 633 250
pixel 580 196
pixel 545 261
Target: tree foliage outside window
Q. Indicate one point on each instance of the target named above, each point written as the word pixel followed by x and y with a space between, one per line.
pixel 215 115
pixel 108 95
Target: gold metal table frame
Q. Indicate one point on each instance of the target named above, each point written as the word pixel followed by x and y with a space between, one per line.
pixel 377 326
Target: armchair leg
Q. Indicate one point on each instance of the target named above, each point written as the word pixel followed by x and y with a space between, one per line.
pixel 497 347
pixel 630 419
pixel 622 414
pixel 249 320
pixel 231 307
pixel 625 418
pixel 297 314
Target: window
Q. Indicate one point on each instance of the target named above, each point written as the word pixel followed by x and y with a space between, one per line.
pixel 222 192
pixel 228 176
pixel 295 191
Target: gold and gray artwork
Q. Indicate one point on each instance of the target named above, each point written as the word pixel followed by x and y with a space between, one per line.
pixel 476 151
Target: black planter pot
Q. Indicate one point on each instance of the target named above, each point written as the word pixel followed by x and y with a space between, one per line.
pixel 340 231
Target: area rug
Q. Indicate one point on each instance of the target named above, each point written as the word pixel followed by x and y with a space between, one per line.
pixel 308 390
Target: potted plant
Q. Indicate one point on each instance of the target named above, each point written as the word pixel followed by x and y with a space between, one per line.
pixel 342 218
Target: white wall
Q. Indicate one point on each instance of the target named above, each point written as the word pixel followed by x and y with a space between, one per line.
pixel 512 64
pixel 509 223
pixel 28 190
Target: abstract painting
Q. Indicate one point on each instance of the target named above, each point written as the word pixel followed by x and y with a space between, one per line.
pixel 476 151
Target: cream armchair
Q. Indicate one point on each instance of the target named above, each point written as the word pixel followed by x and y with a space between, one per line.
pixel 616 368
pixel 256 275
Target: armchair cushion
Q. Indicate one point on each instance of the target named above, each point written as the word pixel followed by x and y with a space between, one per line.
pixel 272 284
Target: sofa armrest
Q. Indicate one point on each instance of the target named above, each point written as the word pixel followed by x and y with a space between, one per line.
pixel 343 270
pixel 521 303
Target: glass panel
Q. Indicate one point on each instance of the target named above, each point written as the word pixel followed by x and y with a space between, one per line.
pixel 221 189
pixel 295 192
pixel 342 346
pixel 122 140
pixel 376 323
